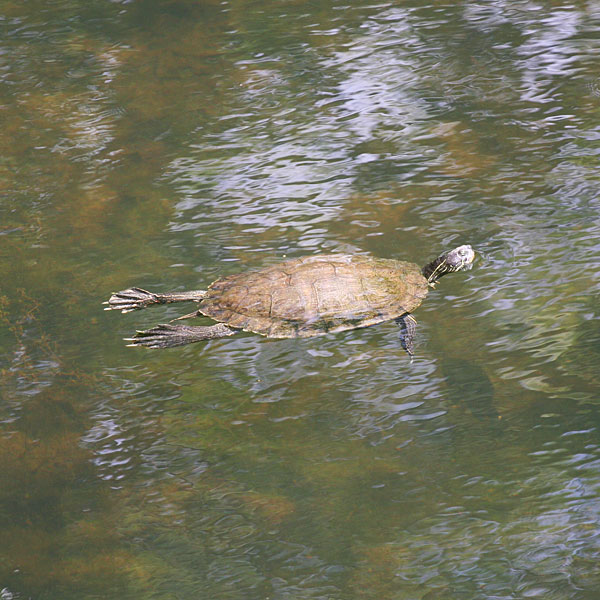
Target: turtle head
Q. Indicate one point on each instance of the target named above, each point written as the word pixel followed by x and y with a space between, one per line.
pixel 456 260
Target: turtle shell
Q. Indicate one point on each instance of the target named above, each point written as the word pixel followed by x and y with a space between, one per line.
pixel 315 295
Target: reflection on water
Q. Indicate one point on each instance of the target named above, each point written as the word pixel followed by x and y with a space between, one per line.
pixel 167 144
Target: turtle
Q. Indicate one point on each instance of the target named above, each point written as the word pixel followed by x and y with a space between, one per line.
pixel 302 297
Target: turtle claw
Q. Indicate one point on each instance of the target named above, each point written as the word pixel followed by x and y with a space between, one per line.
pixel 131 299
pixel 166 335
pixel 160 336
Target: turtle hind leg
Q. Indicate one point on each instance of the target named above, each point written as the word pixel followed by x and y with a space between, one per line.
pixel 131 299
pixel 408 328
pixel 169 336
pixel 137 298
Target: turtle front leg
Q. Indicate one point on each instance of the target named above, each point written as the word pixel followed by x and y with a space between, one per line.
pixel 137 298
pixel 408 328
pixel 168 336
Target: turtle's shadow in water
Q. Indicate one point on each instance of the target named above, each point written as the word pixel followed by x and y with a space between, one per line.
pixel 469 388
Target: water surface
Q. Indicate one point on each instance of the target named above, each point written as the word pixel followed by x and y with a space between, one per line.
pixel 164 144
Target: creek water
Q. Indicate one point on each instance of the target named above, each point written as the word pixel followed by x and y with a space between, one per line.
pixel 165 144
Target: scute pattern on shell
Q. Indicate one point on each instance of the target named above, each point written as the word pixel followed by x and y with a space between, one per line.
pixel 315 295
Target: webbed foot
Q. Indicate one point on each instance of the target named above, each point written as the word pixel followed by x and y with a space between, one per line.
pixel 168 336
pixel 131 299
pixel 408 327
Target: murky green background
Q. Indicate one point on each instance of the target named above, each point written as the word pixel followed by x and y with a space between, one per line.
pixel 162 144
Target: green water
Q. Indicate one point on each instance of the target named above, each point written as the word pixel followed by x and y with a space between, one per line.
pixel 164 144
